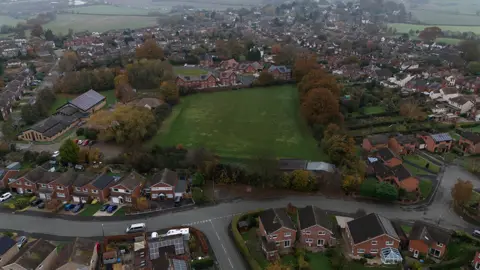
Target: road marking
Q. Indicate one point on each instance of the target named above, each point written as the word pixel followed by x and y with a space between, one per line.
pixel 224 249
pixel 231 264
pixel 218 236
pixel 209 220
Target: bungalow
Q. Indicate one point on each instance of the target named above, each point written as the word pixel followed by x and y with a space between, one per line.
pixel 428 240
pixel 375 142
pixel 201 81
pixel 403 144
pixel 441 142
pixel 277 231
pixel 28 182
pixel 370 233
pixel 397 175
pixel 127 189
pixel 280 72
pixel 316 228
pixel 470 142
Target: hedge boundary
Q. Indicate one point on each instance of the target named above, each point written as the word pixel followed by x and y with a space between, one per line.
pixel 240 243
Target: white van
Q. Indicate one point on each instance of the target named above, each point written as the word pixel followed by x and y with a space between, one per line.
pixel 134 228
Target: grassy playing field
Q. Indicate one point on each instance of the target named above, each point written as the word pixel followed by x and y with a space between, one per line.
pixel 108 9
pixel 405 28
pixel 242 124
pixel 98 23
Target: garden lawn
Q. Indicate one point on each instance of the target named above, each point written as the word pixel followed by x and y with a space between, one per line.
pixel 373 110
pixel 414 170
pixel 422 162
pixel 253 245
pixel 474 129
pixel 425 187
pixel 90 209
pixel 64 98
pixel 318 261
pixel 406 228
pixel 242 124
pixel 405 28
pixel 120 212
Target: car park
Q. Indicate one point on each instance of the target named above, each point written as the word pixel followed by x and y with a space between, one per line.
pixel 104 207
pixel 5 196
pixel 77 208
pixel 21 241
pixel 111 208
pixel 36 202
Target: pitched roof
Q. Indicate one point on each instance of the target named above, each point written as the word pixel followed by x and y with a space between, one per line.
pixel 429 233
pixel 166 176
pixel 441 137
pixel 40 175
pixel 87 100
pixel 370 226
pixel 56 123
pixel 81 255
pixel 32 257
pixel 378 139
pixel 385 154
pixel 406 139
pixel 5 244
pixel 312 215
pixel 132 180
pixel 102 181
pixel 71 177
pixel 274 219
pixel 471 136
pixel 401 172
pixel 281 69
pixel 449 90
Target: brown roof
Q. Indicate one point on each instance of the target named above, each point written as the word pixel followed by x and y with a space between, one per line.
pixel 40 175
pixel 166 176
pixel 132 180
pixel 34 255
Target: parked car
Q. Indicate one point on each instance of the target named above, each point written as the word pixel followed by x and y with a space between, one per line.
pixel 36 202
pixel 476 233
pixel 85 143
pixel 75 141
pixel 56 154
pixel 139 227
pixel 21 241
pixel 104 207
pixel 69 206
pixel 41 205
pixel 79 142
pixel 5 196
pixel 112 208
pixel 77 208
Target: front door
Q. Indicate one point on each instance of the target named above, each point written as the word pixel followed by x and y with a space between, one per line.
pixel 415 254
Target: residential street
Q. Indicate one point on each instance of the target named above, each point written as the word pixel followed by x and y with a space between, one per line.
pixel 214 220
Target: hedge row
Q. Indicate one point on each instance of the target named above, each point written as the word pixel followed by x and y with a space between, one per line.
pixel 204 263
pixel 365 116
pixel 241 243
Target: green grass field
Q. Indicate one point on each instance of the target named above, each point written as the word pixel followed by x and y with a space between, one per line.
pixel 373 110
pixel 79 22
pixel 64 98
pixel 108 9
pixel 7 20
pixel 186 71
pixel 405 28
pixel 242 124
pixel 419 161
pixel 446 17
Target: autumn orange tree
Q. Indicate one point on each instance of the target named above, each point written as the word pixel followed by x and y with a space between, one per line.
pixel 303 65
pixel 411 110
pixel 123 90
pixel 319 106
pixel 149 50
pixel 265 78
pixel 462 192
pixel 318 78
pixel 68 62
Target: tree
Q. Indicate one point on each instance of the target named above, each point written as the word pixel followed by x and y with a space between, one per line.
pixel 254 55
pixel 303 65
pixel 470 50
pixel 318 78
pixel 462 192
pixel 31 114
pixel 320 107
pixel 169 92
pixel 386 191
pixel 198 179
pixel 149 50
pixel 277 266
pixel 411 110
pixel 199 196
pixel 162 112
pixel 128 125
pixel 430 33
pixel 301 180
pixel 340 149
pixel 265 78
pixel 141 161
pixel 69 151
pixel 286 56
pixel 276 48
pixel 474 68
pixel 49 35
pixel 37 30
pixel 68 62
pixel 9 130
pixel 123 90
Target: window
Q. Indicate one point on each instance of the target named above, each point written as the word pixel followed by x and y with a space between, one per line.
pixel 61 195
pixel 307 232
pixel 43 185
pixel 320 242
pixel 278 244
pixel 287 234
pixel 373 251
pixel 94 191
pixel 274 236
pixel 60 187
pixel 321 233
pixel 439 244
pixel 389 243
pixel 28 191
pixel 360 250
pixel 286 243
pixel 78 189
pixel 128 199
pixel 128 191
pixel 115 189
pixel 374 243
pixel 309 240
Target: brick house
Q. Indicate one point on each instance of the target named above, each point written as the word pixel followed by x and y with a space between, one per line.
pixel 428 240
pixel 388 157
pixel 7 176
pixel 201 81
pixel 206 60
pixel 316 228
pixel 398 175
pixel 229 64
pixel 438 143
pixel 162 185
pixel 277 231
pixel 61 187
pixel 280 72
pixel 470 142
pixel 30 182
pixel 375 142
pixel 403 144
pixel 249 67
pixel 476 261
pixel 95 187
pixel 228 78
pixel 128 189
pixel 370 233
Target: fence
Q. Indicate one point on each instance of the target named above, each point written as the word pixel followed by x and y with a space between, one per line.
pixel 158 210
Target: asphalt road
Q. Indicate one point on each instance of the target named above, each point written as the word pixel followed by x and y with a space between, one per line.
pixel 213 221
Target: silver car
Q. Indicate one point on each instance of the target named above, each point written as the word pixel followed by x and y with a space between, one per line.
pixel 21 241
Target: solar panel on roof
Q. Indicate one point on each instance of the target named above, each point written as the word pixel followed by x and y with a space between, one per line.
pixel 441 137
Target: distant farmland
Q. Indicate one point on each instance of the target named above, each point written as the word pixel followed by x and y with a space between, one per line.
pixel 405 28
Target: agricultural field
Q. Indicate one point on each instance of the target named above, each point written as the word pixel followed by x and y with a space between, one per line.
pixel 112 10
pixel 98 23
pixel 405 28
pixel 242 124
pixel 7 20
pixel 445 17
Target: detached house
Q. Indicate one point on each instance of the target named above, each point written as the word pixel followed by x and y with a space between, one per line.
pixel 277 231
pixel 280 72
pixel 397 175
pixel 439 143
pixel 128 188
pixel 428 240
pixel 162 185
pixel 371 233
pixel 375 142
pixel 93 188
pixel 470 142
pixel 316 228
pixel 228 78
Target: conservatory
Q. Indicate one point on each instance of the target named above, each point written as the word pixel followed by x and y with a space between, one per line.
pixel 390 256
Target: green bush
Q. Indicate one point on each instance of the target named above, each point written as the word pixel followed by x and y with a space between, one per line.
pixel 241 243
pixel 368 187
pixel 198 180
pixel 204 263
pixel 386 191
pixel 199 196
